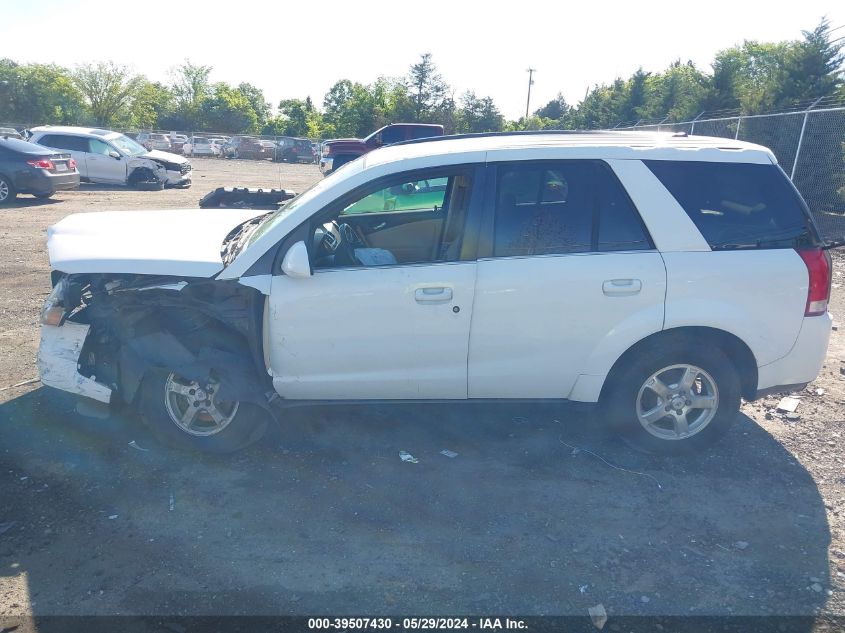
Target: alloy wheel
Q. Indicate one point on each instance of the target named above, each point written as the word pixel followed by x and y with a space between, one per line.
pixel 677 402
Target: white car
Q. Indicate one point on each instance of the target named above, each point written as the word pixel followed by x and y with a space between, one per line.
pixel 661 277
pixel 201 146
pixel 109 157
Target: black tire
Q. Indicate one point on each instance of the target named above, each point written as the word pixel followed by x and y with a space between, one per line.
pixel 8 193
pixel 44 196
pixel 247 425
pixel 143 179
pixel 629 398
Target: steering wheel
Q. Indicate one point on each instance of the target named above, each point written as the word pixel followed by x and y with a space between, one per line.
pixel 344 250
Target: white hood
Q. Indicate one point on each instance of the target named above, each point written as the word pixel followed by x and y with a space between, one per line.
pixel 174 242
pixel 165 156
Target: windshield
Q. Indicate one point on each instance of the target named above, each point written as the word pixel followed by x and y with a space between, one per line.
pixel 127 146
pixel 306 196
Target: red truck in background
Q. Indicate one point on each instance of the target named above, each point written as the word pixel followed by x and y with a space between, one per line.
pixel 337 152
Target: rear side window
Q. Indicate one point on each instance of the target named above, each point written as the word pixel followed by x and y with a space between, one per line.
pixel 563 207
pixel 737 205
pixel 62 141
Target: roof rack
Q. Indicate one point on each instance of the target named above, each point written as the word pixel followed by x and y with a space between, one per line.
pixel 450 137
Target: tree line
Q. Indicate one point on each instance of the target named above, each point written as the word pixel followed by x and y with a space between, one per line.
pixel 752 77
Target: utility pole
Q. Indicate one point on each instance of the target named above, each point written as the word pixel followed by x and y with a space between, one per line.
pixel 531 72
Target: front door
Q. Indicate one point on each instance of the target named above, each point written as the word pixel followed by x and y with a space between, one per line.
pixel 571 281
pixel 387 312
pixel 102 167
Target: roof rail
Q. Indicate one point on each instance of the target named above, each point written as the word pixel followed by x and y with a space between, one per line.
pixel 449 137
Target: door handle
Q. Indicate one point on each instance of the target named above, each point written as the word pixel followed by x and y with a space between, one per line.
pixel 433 295
pixel 617 287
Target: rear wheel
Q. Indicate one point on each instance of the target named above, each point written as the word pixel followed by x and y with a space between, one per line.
pixel 185 414
pixel 671 400
pixel 7 190
pixel 44 196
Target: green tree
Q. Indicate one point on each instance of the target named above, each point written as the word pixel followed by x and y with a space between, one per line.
pixel 190 89
pixel 812 67
pixel 228 110
pixel 478 115
pixel 151 107
pixel 108 89
pixel 36 94
pixel 428 90
pixel 259 104
pixel 555 109
pixel 294 113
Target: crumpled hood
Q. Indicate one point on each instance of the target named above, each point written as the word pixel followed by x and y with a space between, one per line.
pixel 173 242
pixel 167 157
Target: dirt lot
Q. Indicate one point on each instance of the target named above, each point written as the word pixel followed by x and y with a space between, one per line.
pixel 323 517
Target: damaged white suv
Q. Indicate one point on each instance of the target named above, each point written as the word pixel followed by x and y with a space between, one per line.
pixel 109 157
pixel 663 277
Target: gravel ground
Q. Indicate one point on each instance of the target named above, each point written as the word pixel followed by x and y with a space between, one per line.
pixel 322 516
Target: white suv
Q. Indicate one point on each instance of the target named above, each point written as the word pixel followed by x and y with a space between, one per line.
pixel 663 277
pixel 103 156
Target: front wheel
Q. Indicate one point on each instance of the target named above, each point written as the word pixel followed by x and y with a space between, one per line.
pixel 187 415
pixel 674 399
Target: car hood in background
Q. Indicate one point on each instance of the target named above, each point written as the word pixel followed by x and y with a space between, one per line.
pixel 174 242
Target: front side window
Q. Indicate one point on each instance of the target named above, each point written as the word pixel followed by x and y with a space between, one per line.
pixel 402 220
pixel 421 195
pixel 560 207
pixel 96 146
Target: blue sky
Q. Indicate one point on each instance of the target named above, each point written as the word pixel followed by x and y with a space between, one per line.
pixel 299 49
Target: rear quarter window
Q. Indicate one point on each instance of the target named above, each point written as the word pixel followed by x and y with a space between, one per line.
pixel 737 205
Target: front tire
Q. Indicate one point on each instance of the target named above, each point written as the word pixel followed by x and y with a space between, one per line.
pixel 186 415
pixel 674 399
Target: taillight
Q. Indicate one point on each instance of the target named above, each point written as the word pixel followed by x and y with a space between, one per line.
pixel 41 163
pixel 819 270
pixel 71 163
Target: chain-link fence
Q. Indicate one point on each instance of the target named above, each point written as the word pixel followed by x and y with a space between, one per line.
pixel 809 145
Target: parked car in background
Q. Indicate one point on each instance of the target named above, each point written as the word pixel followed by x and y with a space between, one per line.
pixel 662 277
pixel 29 168
pixel 338 152
pixel 10 132
pixel 201 146
pixel 177 142
pixel 154 140
pixel 294 150
pixel 104 156
pixel 246 147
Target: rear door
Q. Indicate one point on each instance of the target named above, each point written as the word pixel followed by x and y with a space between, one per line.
pixel 567 281
pixel 76 146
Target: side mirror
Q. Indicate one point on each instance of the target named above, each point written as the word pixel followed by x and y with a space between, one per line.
pixel 114 154
pixel 296 262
